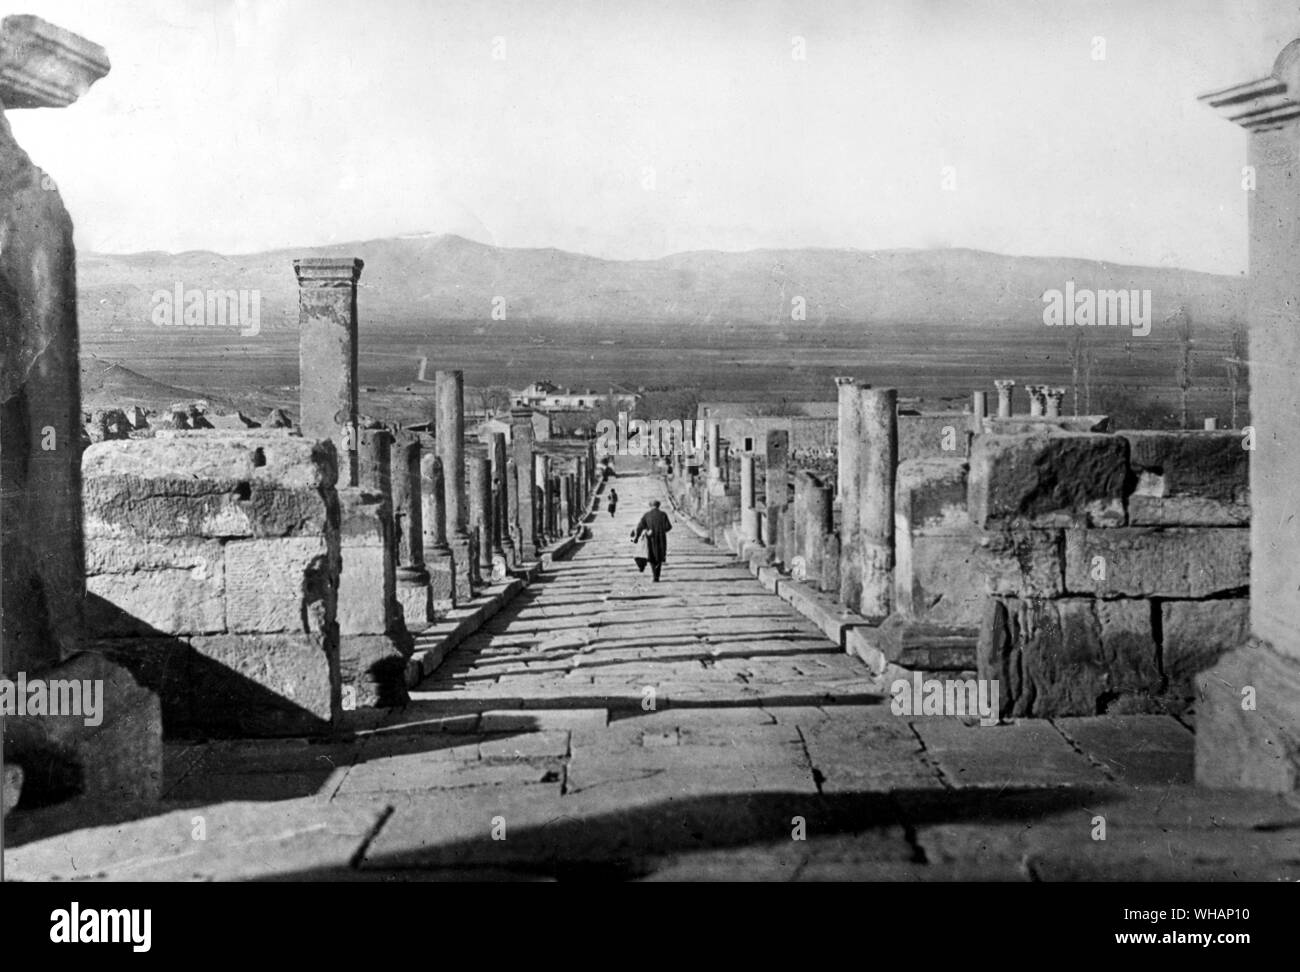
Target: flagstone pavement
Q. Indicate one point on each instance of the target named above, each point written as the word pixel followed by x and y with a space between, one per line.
pixel 603 726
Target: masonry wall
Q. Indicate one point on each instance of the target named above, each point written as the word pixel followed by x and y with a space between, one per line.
pixel 212 571
pixel 1103 571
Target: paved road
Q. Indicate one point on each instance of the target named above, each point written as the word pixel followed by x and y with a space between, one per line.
pixel 604 726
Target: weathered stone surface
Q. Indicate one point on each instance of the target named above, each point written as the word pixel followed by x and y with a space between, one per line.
pixel 933 435
pixel 117 761
pixel 40 416
pixel 930 497
pixel 1248 721
pixel 1151 562
pixel 175 587
pixel 1073 656
pixel 1057 479
pixel 223 486
pixel 1023 424
pixel 280 584
pixel 1188 478
pixel 1212 465
pixel 265 684
pixel 11 787
pixel 1196 633
pixel 945 579
pixel 44 66
pixel 373 670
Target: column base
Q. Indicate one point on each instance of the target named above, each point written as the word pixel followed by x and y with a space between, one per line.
pixel 413 596
pixel 1238 746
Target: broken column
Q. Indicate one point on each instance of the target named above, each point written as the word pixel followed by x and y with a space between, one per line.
pixel 748 507
pixel 979 410
pixel 480 511
pixel 846 395
pixel 521 449
pixel 503 544
pixel 867 520
pixel 437 552
pixel 412 578
pixel 42 583
pixel 1004 388
pixel 451 449
pixel 1248 715
pixel 327 354
pixel 774 486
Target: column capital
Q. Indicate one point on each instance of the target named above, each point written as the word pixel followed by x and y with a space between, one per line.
pixel 841 381
pixel 44 66
pixel 1266 103
pixel 327 271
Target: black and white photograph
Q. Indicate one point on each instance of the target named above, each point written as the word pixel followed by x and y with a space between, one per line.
pixel 690 441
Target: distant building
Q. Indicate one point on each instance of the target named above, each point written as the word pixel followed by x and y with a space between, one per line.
pixel 546 395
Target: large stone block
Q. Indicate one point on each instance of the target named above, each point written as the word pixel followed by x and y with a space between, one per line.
pixel 1073 656
pixel 1194 634
pixel 247 485
pixel 933 435
pixel 373 671
pixel 1188 478
pixel 1151 562
pixel 946 579
pixel 176 587
pixel 1056 479
pixel 282 584
pixel 1248 721
pixel 930 496
pixel 365 591
pixel 265 684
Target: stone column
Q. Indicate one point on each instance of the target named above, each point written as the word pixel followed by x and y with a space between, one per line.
pixel 748 507
pixel 408 512
pixel 979 410
pixel 1211 424
pixel 327 355
pixel 867 552
pixel 480 512
pixel 513 512
pixel 546 500
pixel 715 443
pixel 503 544
pixel 774 486
pixel 846 394
pixel 1055 398
pixel 1248 709
pixel 1037 400
pixel 1004 388
pixel 521 450
pixel 566 504
pixel 437 552
pixel 450 419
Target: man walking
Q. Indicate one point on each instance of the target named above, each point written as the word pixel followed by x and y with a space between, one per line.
pixel 654 525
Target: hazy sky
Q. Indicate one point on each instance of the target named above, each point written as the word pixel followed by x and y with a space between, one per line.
pixel 637 128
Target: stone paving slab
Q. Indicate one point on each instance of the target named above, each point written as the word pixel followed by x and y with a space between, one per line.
pixel 1029 753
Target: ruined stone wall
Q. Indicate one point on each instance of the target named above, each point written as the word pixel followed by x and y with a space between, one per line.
pixel 1102 570
pixel 212 571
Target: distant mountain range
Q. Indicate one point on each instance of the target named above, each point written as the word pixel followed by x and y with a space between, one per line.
pixel 422 278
